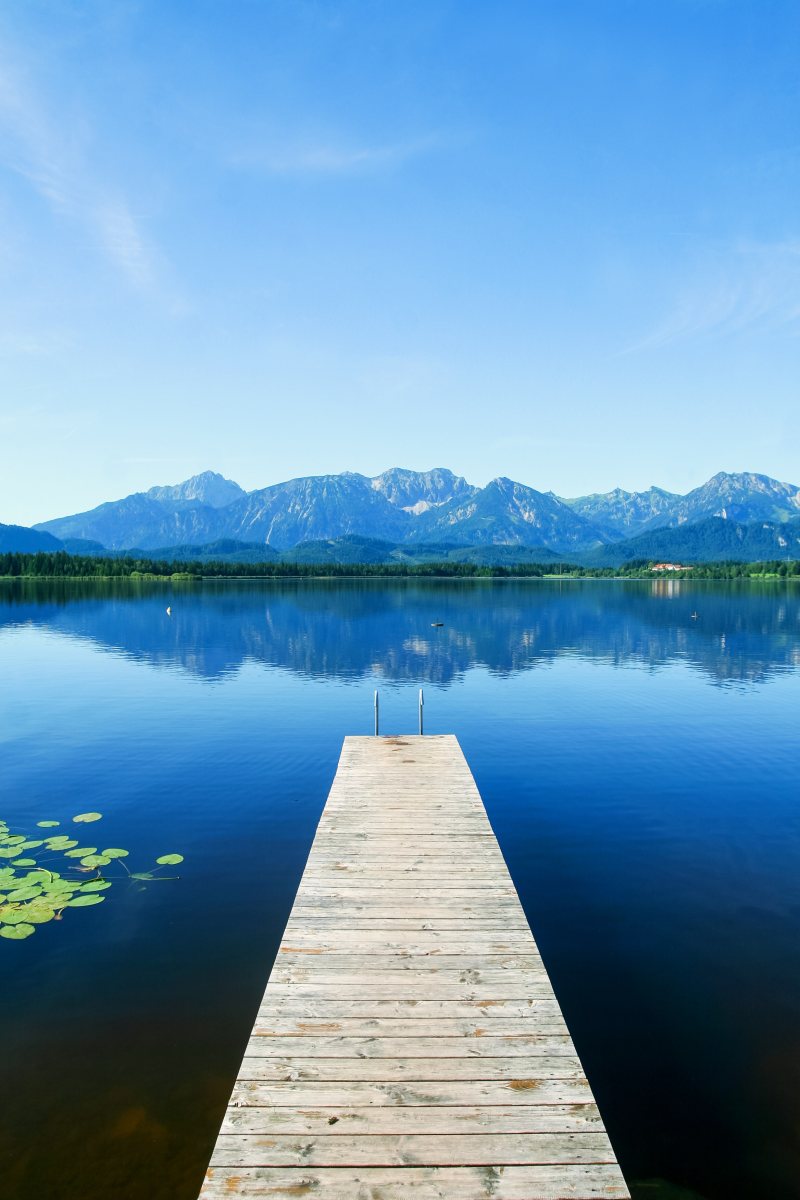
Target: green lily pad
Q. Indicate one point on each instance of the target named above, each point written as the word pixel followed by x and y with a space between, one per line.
pixel 81 851
pixel 24 862
pixel 95 860
pixel 142 875
pixel 22 894
pixel 114 852
pixel 39 912
pixel 12 914
pixel 96 885
pixel 17 933
pixel 47 824
pixel 61 842
pixel 85 818
pixel 13 839
pixel 30 844
pixel 169 860
pixel 9 851
pixel 84 901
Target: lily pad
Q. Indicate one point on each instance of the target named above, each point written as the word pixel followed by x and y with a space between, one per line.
pixel 26 893
pixel 95 860
pixel 84 901
pixel 39 912
pixel 12 914
pixel 81 851
pixel 115 852
pixel 85 818
pixel 62 842
pixel 169 860
pixel 47 824
pixel 96 885
pixel 13 839
pixel 17 933
pixel 24 862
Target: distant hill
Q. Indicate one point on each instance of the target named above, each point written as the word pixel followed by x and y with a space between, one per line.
pixel 416 508
pixel 714 540
pixel 20 539
pixel 621 514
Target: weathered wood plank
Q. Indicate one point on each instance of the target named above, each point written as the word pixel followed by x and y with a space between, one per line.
pixel 281 1025
pixel 421 1046
pixel 378 1150
pixel 551 1181
pixel 409 1044
pixel 430 1119
pixel 425 1093
pixel 393 1070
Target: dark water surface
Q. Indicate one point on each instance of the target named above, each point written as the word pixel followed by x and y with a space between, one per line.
pixel 640 767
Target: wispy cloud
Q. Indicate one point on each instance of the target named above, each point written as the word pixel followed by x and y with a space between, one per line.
pixel 32 345
pixel 329 155
pixel 51 153
pixel 752 286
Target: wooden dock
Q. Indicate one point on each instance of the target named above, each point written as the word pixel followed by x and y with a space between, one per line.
pixel 409 1045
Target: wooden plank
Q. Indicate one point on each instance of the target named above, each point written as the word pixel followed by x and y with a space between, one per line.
pixel 278 1024
pixel 420 1046
pixel 356 1095
pixel 379 1150
pixel 551 1181
pixel 428 1119
pixel 409 1043
pixel 393 1070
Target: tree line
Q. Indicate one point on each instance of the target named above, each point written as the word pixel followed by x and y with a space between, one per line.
pixel 60 565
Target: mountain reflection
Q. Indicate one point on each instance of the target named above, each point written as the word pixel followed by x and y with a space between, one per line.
pixel 352 629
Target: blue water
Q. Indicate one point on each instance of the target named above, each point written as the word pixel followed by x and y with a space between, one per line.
pixel 639 765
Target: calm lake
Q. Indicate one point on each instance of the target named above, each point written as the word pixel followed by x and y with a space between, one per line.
pixel 637 746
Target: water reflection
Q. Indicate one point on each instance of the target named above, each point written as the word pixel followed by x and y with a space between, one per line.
pixel 732 633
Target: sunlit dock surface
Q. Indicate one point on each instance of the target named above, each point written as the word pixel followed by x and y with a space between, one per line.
pixel 409 1043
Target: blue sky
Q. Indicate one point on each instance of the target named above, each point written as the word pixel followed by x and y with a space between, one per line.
pixel 558 241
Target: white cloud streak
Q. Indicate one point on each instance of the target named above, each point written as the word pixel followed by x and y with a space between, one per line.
pixel 752 288
pixel 51 155
pixel 329 156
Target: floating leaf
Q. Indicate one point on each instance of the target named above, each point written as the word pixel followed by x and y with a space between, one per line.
pixel 13 839
pixel 142 875
pixel 115 853
pixel 16 933
pixel 27 844
pixel 84 901
pixel 86 817
pixel 9 851
pixel 39 912
pixel 62 842
pixel 81 852
pixel 47 824
pixel 95 860
pixel 26 893
pixel 169 860
pixel 24 862
pixel 12 914
pixel 96 885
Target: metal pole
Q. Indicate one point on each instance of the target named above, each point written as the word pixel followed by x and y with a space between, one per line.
pixel 421 705
pixel 376 714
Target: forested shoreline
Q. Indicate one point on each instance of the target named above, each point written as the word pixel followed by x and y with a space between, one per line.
pixel 60 565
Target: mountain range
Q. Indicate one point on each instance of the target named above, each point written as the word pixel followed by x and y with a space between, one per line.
pixel 416 511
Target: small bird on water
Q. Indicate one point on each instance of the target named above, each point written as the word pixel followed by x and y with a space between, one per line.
pixel 169 611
